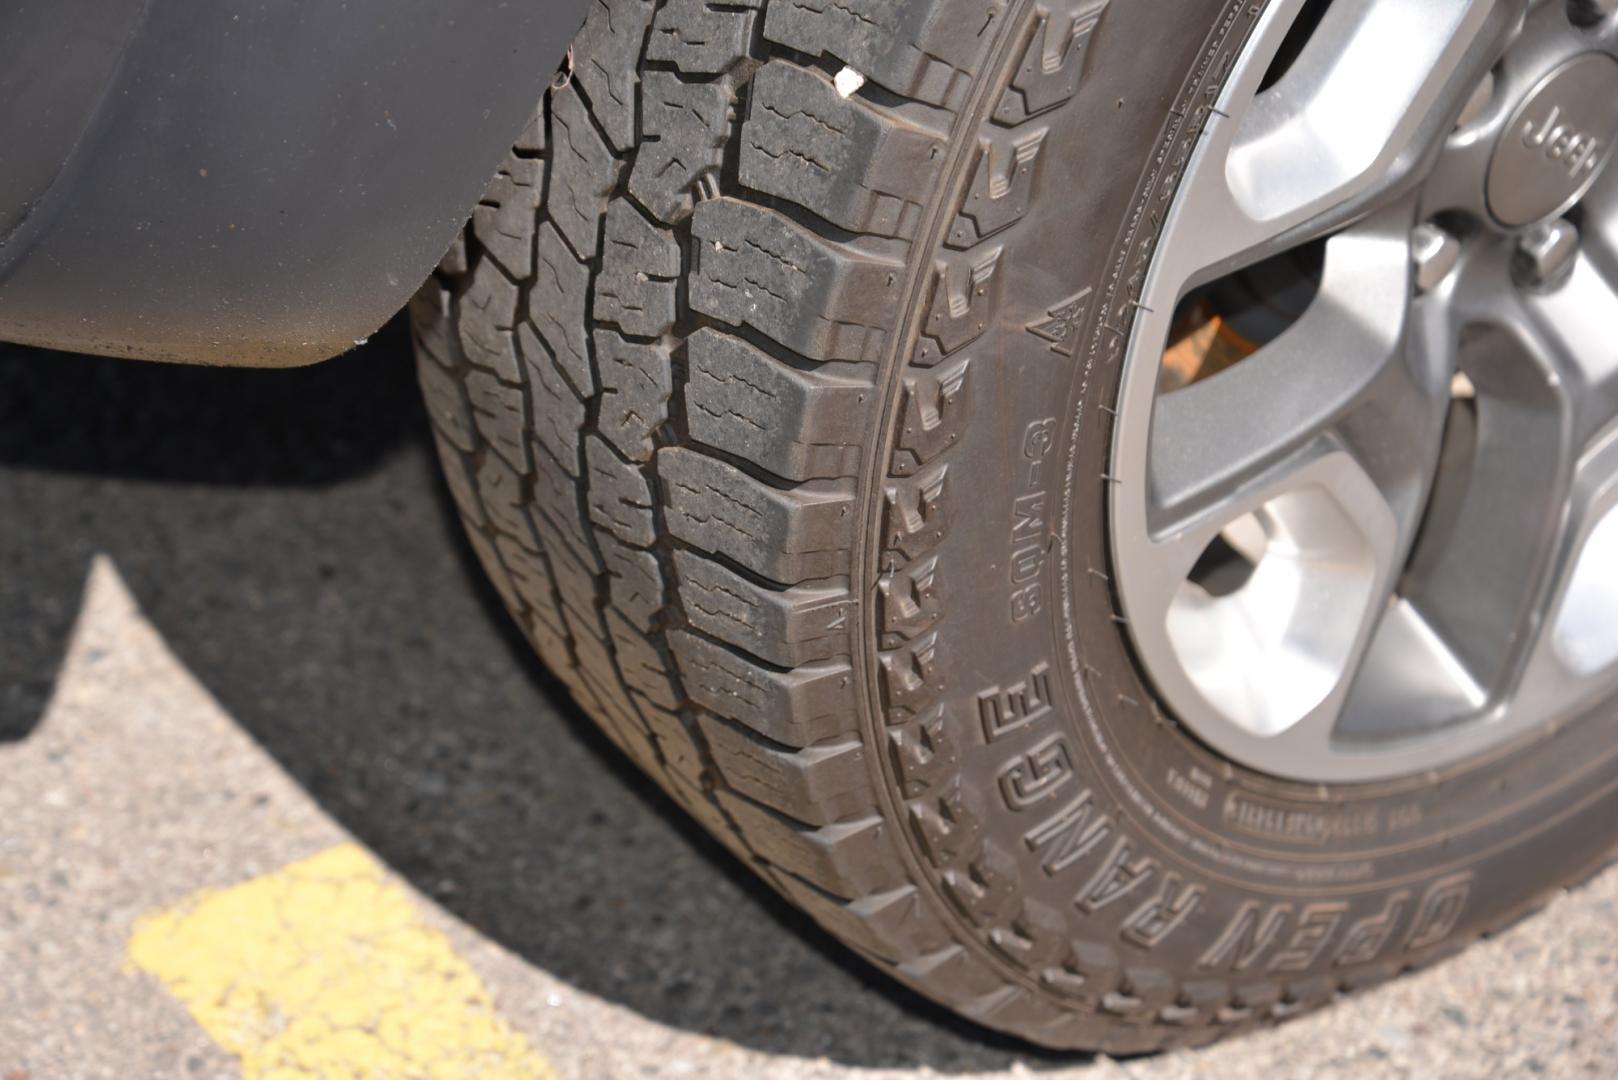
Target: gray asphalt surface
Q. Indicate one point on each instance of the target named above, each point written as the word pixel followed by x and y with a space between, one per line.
pixel 318 659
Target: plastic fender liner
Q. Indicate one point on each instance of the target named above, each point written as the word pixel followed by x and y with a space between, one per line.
pixel 244 183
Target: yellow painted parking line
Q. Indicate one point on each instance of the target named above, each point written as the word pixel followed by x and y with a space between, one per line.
pixel 324 968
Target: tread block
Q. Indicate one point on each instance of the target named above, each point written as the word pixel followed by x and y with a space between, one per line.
pixel 933 417
pixel 847 161
pixel 583 173
pixel 556 492
pixel 787 535
pixel 575 582
pixel 922 752
pixel 985 887
pixel 957 976
pixel 636 581
pixel 532 139
pixel 557 305
pixel 643 667
pixel 486 334
pixel 606 58
pixel 558 414
pixel 703 36
pixel 686 128
pixel 803 623
pixel 795 708
pixel 636 382
pixel 923 51
pixel 430 321
pixel 908 600
pixel 679 751
pixel 455 258
pixel 797 424
pixel 501 495
pixel 639 266
pixel 1052 64
pixel 758 267
pixel 847 860
pixel 909 676
pixel 554 512
pixel 819 786
pixel 966 288
pixel 498 411
pixel 503 221
pixel 620 499
pixel 598 671
pixel 447 406
pixel 915 514
pixel 1002 187
pixel 531 578
pixel 891 926
pixel 563 532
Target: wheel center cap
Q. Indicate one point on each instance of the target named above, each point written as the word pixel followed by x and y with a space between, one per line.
pixel 1556 143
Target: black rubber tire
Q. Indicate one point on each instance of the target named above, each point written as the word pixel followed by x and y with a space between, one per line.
pixel 780 419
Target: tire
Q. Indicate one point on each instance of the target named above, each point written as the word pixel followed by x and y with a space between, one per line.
pixel 758 399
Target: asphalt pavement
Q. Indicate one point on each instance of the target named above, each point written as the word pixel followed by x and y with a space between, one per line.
pixel 244 654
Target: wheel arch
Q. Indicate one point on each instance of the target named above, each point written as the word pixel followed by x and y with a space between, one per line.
pixel 247 184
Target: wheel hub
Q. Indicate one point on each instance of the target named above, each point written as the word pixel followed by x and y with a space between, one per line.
pixel 1376 544
pixel 1556 142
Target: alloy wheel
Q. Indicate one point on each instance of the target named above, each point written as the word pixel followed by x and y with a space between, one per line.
pixel 1380 534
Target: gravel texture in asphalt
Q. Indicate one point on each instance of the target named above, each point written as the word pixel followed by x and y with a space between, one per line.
pixel 240 628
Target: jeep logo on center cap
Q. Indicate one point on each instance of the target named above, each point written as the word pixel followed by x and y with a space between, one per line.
pixel 1576 150
pixel 1556 143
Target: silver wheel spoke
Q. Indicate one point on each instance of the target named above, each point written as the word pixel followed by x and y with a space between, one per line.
pixel 1339 370
pixel 1572 330
pixel 1347 125
pixel 1574 661
pixel 1574 644
pixel 1602 229
pixel 1544 386
pixel 1278 652
pixel 1319 490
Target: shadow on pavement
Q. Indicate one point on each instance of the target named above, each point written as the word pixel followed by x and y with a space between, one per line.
pixel 287 534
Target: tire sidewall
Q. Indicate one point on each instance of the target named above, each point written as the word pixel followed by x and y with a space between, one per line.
pixel 1068 824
